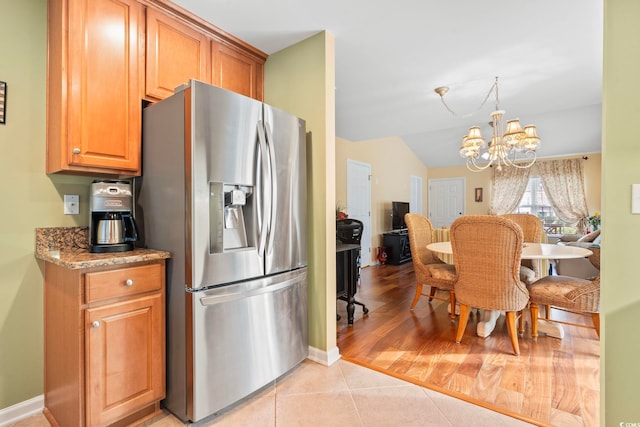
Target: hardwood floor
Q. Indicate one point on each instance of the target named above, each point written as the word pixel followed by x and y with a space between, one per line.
pixel 552 382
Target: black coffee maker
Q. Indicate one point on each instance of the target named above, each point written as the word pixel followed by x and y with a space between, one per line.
pixel 112 227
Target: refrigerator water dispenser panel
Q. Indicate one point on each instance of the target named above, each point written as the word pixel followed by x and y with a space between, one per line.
pixel 227 221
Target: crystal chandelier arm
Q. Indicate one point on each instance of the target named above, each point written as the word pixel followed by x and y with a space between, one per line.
pixel 530 154
pixel 475 167
pixel 509 160
pixel 443 90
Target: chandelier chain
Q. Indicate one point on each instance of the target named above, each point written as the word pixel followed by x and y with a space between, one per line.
pixel 486 98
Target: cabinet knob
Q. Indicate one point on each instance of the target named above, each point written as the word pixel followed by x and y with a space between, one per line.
pixel 76 151
pixel 129 282
pixel 95 324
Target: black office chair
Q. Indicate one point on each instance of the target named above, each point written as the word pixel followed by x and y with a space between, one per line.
pixel 349 231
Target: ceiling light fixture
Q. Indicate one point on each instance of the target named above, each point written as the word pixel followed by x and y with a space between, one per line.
pixel 515 147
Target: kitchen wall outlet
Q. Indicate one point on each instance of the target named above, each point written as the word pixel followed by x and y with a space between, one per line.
pixel 71 204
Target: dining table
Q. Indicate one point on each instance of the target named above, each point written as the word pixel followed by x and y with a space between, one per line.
pixel 529 251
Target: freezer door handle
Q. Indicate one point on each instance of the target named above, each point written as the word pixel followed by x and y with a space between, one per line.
pixel 218 299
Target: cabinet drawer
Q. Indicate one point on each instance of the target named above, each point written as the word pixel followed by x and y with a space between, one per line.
pixel 123 282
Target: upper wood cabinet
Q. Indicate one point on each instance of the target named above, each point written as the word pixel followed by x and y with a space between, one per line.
pixel 179 49
pixel 106 56
pixel 175 54
pixel 236 70
pixel 95 71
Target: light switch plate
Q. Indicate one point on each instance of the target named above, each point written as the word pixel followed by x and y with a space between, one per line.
pixel 635 198
pixel 71 204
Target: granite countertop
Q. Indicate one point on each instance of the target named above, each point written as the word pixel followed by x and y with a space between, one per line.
pixel 69 247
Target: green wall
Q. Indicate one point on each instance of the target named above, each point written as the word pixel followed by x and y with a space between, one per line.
pixel 30 198
pixel 620 359
pixel 300 79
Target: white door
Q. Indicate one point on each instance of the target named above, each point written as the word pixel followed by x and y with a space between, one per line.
pixel 415 204
pixel 359 203
pixel 446 200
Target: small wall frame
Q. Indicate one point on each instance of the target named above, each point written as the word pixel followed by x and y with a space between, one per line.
pixel 478 194
pixel 3 102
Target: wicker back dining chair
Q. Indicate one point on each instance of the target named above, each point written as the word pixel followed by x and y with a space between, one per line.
pixel 531 269
pixel 568 293
pixel 429 269
pixel 486 254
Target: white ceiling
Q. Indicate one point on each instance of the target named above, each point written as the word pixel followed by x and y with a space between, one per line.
pixel 391 55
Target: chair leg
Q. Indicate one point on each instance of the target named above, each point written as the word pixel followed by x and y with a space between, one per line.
pixel 417 297
pixel 462 323
pixel 547 311
pixel 432 293
pixel 452 299
pixel 596 322
pixel 521 322
pixel 511 327
pixel 534 320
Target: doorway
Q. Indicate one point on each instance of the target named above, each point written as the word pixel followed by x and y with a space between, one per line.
pixel 359 203
pixel 415 204
pixel 446 200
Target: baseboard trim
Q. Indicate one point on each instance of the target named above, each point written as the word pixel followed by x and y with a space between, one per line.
pixel 323 357
pixel 21 410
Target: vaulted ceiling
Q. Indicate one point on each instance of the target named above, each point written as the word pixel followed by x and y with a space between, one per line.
pixel 391 55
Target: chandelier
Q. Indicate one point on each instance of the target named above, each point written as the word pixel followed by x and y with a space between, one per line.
pixel 514 147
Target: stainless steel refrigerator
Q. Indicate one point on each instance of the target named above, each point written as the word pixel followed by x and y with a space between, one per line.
pixel 223 189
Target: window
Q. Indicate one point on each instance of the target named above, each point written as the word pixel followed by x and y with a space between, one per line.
pixel 534 201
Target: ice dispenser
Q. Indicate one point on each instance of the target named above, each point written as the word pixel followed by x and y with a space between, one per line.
pixel 228 224
pixel 235 234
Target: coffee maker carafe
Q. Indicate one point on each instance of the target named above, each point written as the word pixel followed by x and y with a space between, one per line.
pixel 112 227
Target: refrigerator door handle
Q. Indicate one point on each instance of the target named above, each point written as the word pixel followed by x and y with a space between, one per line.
pixel 274 186
pixel 264 205
pixel 217 299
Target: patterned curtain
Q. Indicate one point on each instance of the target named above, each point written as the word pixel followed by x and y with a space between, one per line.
pixel 564 185
pixel 509 185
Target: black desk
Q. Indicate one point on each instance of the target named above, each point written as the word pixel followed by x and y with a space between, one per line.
pixel 347 275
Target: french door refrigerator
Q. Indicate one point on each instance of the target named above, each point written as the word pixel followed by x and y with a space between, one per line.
pixel 224 190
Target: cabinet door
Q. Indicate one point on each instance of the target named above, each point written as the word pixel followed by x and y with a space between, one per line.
pixel 124 358
pixel 236 71
pixel 94 86
pixel 175 54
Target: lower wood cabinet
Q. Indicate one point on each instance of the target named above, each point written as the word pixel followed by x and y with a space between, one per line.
pixel 104 343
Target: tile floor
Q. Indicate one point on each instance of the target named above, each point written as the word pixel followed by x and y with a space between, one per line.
pixel 341 394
